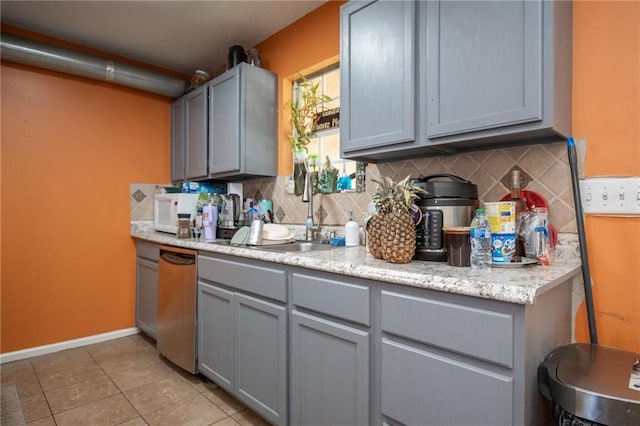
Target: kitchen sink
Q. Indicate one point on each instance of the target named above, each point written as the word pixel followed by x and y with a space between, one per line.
pixel 296 246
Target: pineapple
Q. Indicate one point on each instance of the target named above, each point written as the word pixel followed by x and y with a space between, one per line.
pixel 392 232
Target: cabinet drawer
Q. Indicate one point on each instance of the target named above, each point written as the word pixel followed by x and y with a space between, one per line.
pixel 479 333
pixel 260 280
pixel 335 298
pixel 147 250
pixel 423 388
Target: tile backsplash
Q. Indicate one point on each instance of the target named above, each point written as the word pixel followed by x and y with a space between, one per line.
pixel 545 166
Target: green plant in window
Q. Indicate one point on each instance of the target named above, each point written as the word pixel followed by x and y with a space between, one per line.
pixel 305 109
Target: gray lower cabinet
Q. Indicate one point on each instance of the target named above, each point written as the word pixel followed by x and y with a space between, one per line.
pixel 215 334
pixel 242 332
pixel 147 255
pixel 243 139
pixel 424 380
pixel 330 351
pixel 329 372
pixel 433 77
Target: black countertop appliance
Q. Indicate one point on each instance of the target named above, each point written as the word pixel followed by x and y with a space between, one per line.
pixel 451 201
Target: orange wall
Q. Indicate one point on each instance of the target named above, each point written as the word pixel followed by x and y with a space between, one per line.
pixel 606 111
pixel 307 45
pixel 70 149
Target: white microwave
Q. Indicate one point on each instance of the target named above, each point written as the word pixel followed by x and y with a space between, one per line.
pixel 166 208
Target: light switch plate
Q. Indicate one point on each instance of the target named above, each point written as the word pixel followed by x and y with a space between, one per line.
pixel 611 195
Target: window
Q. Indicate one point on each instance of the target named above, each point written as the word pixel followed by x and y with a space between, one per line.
pixel 326 143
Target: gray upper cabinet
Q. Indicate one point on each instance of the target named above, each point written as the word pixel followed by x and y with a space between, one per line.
pixel 377 74
pixel 243 124
pixel 189 136
pixel 196 134
pixel 488 73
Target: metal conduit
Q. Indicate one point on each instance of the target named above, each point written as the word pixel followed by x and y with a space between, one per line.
pixel 54 58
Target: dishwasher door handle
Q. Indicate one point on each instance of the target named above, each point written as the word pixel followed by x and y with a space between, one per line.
pixel 177 258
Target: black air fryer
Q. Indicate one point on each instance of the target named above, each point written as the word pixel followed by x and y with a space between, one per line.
pixel 450 202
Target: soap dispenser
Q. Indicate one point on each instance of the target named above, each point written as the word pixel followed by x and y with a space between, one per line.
pixel 351 232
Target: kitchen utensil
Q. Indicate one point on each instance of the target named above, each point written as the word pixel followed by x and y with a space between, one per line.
pixel 448 203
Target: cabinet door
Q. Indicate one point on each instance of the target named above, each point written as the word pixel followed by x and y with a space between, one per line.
pixel 224 123
pixel 215 334
pixel 261 357
pixel 377 70
pixel 147 296
pixel 483 65
pixel 329 372
pixel 196 133
pixel 177 140
pixel 421 387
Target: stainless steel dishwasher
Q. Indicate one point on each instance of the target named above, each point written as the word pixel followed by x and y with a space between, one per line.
pixel 176 318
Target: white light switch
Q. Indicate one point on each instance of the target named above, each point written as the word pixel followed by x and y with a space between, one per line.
pixel 611 195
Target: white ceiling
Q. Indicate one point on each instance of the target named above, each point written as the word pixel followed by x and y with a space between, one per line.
pixel 177 35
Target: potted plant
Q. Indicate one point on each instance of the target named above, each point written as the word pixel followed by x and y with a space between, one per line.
pixel 304 108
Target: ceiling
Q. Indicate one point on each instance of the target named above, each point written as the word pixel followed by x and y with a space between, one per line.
pixel 177 35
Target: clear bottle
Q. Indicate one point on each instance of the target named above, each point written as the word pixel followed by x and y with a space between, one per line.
pixel 480 241
pixel 521 207
pixel 351 232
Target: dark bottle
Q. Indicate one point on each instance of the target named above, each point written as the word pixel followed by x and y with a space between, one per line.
pixel 521 207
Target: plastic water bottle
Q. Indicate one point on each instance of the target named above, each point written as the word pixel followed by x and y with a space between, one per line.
pixel 480 241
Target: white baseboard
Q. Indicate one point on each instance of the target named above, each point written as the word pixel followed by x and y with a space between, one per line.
pixel 68 344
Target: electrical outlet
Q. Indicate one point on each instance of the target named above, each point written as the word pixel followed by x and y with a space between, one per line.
pixel 611 195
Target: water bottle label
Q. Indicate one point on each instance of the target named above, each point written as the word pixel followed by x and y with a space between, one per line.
pixel 479 233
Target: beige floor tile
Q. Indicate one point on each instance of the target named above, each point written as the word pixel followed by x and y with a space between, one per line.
pixel 249 418
pixel 153 396
pixel 139 357
pixel 77 394
pixel 106 412
pixel 134 377
pixel 227 422
pixel 35 407
pixel 46 421
pixel 115 346
pixel 226 402
pixel 192 411
pixel 138 421
pixel 60 376
pixel 22 375
pixel 62 358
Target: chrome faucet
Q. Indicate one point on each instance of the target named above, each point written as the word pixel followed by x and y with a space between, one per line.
pixel 312 232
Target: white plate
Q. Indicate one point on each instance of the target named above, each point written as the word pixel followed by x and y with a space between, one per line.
pixel 524 261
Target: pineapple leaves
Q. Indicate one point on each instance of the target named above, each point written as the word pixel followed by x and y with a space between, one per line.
pixel 390 194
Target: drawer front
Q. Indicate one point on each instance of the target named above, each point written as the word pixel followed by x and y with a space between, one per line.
pixel 423 388
pixel 335 298
pixel 147 250
pixel 260 280
pixel 479 333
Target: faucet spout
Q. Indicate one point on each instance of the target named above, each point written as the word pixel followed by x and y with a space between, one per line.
pixel 307 197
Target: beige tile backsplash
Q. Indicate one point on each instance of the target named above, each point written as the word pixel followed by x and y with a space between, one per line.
pixel 546 165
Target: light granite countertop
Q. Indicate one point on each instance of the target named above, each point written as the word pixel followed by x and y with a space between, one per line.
pixel 520 285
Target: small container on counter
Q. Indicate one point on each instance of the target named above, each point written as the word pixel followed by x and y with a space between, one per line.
pixel 255 233
pixel 184 225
